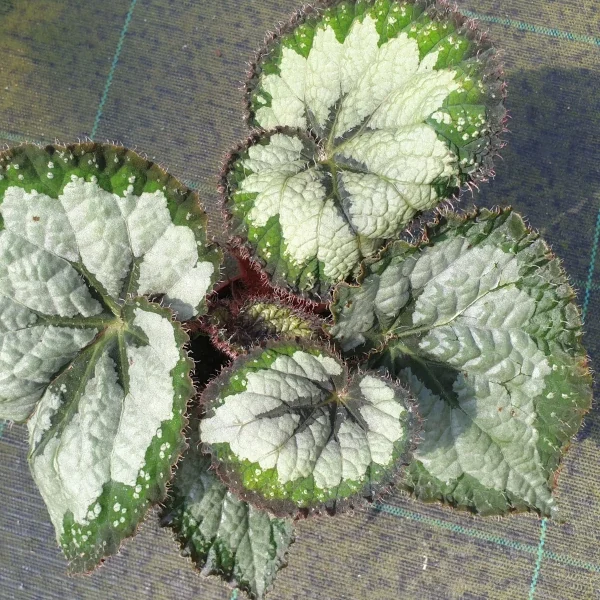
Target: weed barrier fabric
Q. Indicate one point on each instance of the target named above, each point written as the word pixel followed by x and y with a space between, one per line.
pixel 164 78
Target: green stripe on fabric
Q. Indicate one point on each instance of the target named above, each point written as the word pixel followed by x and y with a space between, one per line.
pixel 586 302
pixel 591 269
pixel 593 287
pixel 397 511
pixel 569 561
pixel 556 33
pixel 563 559
pixel 113 68
pixel 538 562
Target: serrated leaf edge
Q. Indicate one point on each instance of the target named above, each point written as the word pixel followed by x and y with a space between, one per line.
pixel 287 508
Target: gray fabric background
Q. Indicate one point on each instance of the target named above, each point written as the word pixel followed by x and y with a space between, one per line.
pixel 164 77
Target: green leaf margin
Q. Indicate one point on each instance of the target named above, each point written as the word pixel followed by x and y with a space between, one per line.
pixel 158 469
pixel 285 499
pixel 466 492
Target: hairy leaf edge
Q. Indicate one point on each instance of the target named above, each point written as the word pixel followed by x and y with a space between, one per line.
pixel 429 230
pixel 438 9
pixel 286 508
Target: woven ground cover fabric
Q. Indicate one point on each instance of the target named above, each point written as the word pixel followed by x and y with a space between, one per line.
pixel 164 77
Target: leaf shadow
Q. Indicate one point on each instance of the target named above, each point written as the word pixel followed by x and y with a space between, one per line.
pixel 550 169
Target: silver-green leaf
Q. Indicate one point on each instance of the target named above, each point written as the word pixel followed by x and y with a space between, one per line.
pixel 387 108
pixel 87 233
pixel 108 430
pixel 480 322
pixel 289 430
pixel 222 534
pixel 83 228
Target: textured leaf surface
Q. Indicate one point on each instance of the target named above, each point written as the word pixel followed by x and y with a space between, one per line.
pixel 108 430
pixel 222 534
pixel 109 214
pixel 288 428
pixel 85 232
pixel 237 330
pixel 402 104
pixel 82 228
pixel 276 319
pixel 480 322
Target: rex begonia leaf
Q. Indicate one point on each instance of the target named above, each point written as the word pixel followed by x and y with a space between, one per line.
pixel 222 534
pixel 381 109
pixel 288 429
pixel 273 318
pixel 82 229
pixel 236 330
pixel 480 322
pixel 86 232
